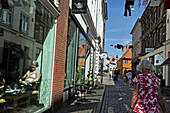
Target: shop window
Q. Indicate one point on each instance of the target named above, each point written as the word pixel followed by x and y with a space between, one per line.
pixel 82 50
pixel 19 52
pixel 71 53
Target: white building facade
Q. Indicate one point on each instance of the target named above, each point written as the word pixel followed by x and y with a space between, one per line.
pixel 94 21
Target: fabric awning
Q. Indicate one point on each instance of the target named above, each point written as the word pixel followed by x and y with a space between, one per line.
pixel 18 51
pixel 166 62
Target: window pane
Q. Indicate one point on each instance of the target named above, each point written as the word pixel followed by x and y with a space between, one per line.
pixel 21 54
pixel 81 57
pixel 5 17
pixel 9 19
pixel 23 22
pixel 71 53
pixel 0 14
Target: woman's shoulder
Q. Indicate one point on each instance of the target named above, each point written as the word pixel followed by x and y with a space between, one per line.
pixel 37 71
pixel 139 75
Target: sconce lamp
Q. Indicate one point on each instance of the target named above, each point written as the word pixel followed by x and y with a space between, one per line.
pixel 132 9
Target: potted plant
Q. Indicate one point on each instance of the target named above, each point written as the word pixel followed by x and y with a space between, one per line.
pixel 95 78
pixel 90 81
pixel 86 81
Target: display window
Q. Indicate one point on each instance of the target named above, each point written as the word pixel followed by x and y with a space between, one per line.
pixel 71 55
pixel 81 58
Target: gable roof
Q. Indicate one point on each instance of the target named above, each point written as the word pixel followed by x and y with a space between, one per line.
pixel 111 62
pixel 128 54
pixel 114 58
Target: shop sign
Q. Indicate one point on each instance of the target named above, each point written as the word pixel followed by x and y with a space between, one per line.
pixel 149 50
pixel 1 32
pixel 103 55
pixel 158 59
pixel 79 6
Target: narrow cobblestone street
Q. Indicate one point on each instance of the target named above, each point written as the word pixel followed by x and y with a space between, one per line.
pixel 109 97
pixel 117 96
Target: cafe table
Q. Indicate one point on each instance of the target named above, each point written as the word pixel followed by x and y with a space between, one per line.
pixel 15 96
pixel 80 87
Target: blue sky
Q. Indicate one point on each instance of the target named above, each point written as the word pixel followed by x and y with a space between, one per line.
pixel 118 26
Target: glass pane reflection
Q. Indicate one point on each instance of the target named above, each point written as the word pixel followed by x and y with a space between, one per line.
pixel 28 35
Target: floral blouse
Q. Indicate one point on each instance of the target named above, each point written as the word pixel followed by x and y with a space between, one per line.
pixel 147 93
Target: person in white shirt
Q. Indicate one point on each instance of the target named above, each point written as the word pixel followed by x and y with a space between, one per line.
pixel 110 73
pixel 129 76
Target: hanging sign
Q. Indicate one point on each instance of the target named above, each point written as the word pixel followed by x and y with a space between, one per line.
pixel 103 55
pixel 149 50
pixel 79 6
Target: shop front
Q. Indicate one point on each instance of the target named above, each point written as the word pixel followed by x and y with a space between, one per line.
pixel 26 56
pixel 77 57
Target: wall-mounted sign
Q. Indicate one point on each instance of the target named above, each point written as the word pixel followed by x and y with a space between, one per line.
pixel 1 32
pixel 103 55
pixel 79 6
pixel 158 59
pixel 149 50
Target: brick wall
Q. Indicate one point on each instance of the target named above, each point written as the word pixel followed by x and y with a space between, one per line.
pixel 60 55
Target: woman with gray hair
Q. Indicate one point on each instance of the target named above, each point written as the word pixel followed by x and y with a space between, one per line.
pixel 147 92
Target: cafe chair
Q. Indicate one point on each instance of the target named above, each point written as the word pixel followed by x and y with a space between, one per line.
pixel 35 90
pixel 2 101
pixel 83 91
pixel 36 87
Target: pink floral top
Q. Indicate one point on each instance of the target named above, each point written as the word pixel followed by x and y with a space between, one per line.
pixel 147 93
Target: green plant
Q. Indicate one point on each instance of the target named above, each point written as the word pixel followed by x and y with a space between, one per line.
pixel 65 76
pixel 90 79
pixel 106 70
pixel 94 77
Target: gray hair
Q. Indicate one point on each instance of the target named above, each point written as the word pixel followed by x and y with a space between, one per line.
pixel 145 65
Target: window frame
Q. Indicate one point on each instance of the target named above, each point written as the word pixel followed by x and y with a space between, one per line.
pixel 26 18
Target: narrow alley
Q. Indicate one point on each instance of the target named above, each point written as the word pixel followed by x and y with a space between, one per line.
pixel 117 96
pixel 109 97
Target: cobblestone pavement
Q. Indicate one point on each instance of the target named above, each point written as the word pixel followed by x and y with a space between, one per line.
pixel 88 105
pixel 117 96
pixel 109 97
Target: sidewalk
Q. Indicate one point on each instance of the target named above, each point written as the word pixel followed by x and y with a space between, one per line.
pixel 117 96
pixel 90 104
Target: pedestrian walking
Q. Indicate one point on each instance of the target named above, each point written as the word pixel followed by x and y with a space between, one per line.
pixel 117 74
pixel 147 92
pixel 110 73
pixel 125 75
pixel 129 77
pixel 160 76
